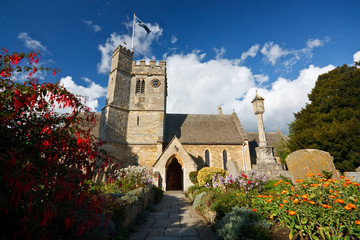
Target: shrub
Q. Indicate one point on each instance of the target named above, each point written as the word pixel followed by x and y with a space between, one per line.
pixel 158 194
pixel 205 175
pixel 132 177
pixel 225 202
pixel 243 223
pixel 193 177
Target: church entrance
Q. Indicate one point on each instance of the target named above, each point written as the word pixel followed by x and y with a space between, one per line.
pixel 174 175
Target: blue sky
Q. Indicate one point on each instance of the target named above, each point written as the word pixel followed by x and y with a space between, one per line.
pixel 217 52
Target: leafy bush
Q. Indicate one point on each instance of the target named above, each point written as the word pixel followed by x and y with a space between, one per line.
pixel 133 177
pixel 253 180
pixel 193 177
pixel 199 191
pixel 224 203
pixel 158 194
pixel 243 223
pixel 205 175
pixel 193 188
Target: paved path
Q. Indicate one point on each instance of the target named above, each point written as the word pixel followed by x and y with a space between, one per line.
pixel 174 219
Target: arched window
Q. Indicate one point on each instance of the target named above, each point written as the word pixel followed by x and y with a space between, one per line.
pixel 207 158
pixel 138 120
pixel 142 87
pixel 138 87
pixel 136 160
pixel 225 159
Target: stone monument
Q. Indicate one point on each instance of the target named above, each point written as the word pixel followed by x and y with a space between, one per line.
pixel 265 160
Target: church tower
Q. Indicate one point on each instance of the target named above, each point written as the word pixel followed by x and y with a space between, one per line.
pixel 132 122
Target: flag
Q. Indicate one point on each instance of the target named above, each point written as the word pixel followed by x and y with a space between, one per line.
pixel 141 24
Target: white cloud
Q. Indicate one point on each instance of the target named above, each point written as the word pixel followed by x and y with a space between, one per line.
pixel 91 25
pixel 142 44
pixel 219 52
pixel 199 87
pixel 251 52
pixel 273 52
pixel 32 44
pixel 173 39
pixel 356 57
pixel 91 93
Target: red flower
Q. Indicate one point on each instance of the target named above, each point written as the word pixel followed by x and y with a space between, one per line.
pixel 249 182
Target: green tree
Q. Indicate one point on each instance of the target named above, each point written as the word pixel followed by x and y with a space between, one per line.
pixel 331 122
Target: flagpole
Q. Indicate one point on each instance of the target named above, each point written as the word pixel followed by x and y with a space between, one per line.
pixel 133 34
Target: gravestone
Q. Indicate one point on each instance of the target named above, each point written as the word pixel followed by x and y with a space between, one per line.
pixel 353 176
pixel 310 161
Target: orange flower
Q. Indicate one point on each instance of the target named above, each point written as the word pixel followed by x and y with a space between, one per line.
pixel 356 184
pixel 357 222
pixel 285 201
pixel 345 185
pixel 296 195
pixel 331 180
pixel 292 213
pixel 325 206
pixel 275 184
pixel 283 192
pixel 351 205
pixel 303 186
pixel 356 199
pixel 312 202
pixel 347 207
pixel 342 177
pixel 299 180
pixel 237 194
pixel 296 201
pixel 269 200
pixel 346 179
pixel 287 183
pixel 331 191
pixel 309 175
pixel 254 210
pixel 331 196
pixel 314 185
pixel 259 196
pixel 319 174
pixel 339 200
pixel 305 196
pixel 281 205
pixel 326 184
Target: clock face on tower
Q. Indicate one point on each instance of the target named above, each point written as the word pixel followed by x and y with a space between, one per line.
pixel 155 83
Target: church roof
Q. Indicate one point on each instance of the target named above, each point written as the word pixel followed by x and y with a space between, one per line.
pixel 204 129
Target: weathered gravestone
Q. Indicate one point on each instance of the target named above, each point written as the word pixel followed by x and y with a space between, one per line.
pixel 353 176
pixel 310 161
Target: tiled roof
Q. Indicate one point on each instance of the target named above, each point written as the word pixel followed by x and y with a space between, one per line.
pixel 203 129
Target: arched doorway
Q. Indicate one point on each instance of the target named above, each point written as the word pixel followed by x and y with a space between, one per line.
pixel 174 175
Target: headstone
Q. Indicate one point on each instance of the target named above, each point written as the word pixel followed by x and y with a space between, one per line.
pixel 232 168
pixel 310 161
pixel 353 176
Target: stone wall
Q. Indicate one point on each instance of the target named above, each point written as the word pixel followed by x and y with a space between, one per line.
pixel 234 153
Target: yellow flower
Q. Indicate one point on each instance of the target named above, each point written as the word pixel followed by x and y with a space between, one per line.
pixel 292 213
pixel 305 196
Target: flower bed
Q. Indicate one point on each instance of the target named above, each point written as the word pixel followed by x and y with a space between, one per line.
pixel 316 208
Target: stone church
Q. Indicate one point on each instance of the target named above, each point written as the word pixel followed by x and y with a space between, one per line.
pixel 136 129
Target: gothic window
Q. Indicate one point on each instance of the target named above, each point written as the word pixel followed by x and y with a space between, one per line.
pixel 138 87
pixel 143 87
pixel 136 160
pixel 225 159
pixel 207 158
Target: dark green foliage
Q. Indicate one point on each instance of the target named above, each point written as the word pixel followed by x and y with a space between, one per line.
pixel 158 194
pixel 193 188
pixel 193 177
pixel 225 202
pixel 331 122
pixel 243 223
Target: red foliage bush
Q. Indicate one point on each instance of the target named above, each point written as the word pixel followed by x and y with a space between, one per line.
pixel 45 157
